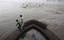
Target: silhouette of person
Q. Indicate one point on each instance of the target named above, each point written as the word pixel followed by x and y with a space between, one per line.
pixel 18 24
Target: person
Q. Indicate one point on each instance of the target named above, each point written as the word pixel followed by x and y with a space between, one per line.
pixel 18 24
pixel 21 21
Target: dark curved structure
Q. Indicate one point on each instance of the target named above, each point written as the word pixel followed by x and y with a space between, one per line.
pixel 34 24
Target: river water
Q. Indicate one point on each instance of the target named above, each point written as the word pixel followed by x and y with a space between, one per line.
pixel 53 15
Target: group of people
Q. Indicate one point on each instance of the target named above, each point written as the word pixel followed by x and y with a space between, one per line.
pixel 19 23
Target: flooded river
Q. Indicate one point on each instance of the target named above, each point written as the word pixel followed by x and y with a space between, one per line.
pixel 53 15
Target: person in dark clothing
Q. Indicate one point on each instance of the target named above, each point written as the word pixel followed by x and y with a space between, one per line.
pixel 18 24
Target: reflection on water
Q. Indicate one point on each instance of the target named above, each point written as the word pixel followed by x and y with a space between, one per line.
pixel 33 35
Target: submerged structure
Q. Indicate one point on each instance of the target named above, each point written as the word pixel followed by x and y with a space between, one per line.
pixel 36 25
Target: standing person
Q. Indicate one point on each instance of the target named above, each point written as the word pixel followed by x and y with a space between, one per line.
pixel 21 22
pixel 18 24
